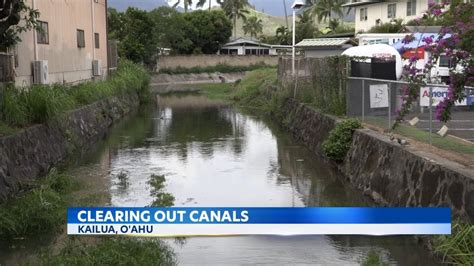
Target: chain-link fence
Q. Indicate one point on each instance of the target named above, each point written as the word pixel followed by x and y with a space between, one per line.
pixel 377 102
pixel 320 82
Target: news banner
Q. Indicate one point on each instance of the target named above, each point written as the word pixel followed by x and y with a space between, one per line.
pixel 170 222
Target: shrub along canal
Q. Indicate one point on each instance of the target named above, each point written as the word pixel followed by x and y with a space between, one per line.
pixel 212 154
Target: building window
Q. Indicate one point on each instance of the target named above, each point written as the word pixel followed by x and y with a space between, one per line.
pixel 81 39
pixel 411 7
pixel 42 32
pixel 392 11
pixel 97 40
pixel 363 14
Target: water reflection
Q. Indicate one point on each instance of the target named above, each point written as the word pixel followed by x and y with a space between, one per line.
pixel 213 155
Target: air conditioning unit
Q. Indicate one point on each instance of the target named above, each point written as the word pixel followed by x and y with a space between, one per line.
pixel 97 67
pixel 40 72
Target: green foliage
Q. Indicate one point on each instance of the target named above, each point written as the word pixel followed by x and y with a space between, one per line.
pixel 325 89
pixel 305 27
pixel 253 26
pixel 222 68
pixel 234 9
pixel 160 198
pixel 339 140
pixel 394 26
pixel 42 209
pixel 207 31
pixel 40 103
pixel 142 33
pixel 112 251
pixel 252 91
pixel 323 9
pixel 457 248
pixel 16 17
pixel 373 258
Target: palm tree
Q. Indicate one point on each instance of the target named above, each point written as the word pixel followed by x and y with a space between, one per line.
pixel 187 3
pixel 234 9
pixel 323 9
pixel 253 26
pixel 201 3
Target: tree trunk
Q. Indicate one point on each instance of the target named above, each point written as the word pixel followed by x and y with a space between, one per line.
pixel 235 26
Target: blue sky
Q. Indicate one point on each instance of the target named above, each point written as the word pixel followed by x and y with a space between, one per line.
pixel 273 7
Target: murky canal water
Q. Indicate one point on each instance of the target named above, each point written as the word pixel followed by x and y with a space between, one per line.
pixel 214 155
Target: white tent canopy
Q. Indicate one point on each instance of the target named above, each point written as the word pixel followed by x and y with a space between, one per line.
pixel 379 51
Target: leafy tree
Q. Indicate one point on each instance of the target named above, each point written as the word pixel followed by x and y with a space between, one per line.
pixel 333 24
pixel 253 26
pixel 169 29
pixel 323 9
pixel 283 35
pixel 207 31
pixel 136 35
pixel 394 26
pixel 305 28
pixel 234 9
pixel 11 13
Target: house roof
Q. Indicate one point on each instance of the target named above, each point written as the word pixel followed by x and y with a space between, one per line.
pixel 360 2
pixel 323 42
pixel 252 42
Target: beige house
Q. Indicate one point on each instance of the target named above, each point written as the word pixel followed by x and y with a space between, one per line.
pixel 72 47
pixel 369 13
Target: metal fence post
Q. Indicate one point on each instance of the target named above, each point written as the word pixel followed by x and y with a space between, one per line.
pixel 431 115
pixel 389 87
pixel 363 100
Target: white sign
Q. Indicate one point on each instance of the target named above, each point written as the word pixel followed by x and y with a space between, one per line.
pixel 378 96
pixel 438 95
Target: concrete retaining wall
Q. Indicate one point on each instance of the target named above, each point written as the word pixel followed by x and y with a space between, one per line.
pixel 390 174
pixel 188 61
pixel 33 151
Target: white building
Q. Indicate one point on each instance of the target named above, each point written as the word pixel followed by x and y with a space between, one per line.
pixel 369 13
pixel 376 38
pixel 250 46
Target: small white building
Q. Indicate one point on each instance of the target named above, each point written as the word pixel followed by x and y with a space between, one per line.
pixel 369 13
pixel 322 47
pixel 250 46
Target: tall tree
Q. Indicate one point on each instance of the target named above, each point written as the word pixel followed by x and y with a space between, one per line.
pixel 187 3
pixel 11 13
pixel 323 9
pixel 234 9
pixel 253 26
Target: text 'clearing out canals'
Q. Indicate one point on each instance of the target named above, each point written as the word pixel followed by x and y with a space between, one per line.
pixel 258 221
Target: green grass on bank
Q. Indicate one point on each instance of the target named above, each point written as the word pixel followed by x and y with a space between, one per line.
pixel 41 209
pixel 457 248
pixel 112 251
pixel 39 104
pixel 251 91
pixel 445 143
pixel 222 68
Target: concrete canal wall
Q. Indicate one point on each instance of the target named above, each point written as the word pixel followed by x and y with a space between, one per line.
pixel 392 175
pixel 33 151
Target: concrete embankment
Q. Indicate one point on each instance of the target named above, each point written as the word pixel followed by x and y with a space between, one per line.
pixel 392 175
pixel 30 153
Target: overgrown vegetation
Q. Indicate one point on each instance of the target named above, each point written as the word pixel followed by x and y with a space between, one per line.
pixel 374 258
pixel 40 209
pixel 457 248
pixel 160 198
pixel 112 251
pixel 339 140
pixel 41 103
pixel 222 68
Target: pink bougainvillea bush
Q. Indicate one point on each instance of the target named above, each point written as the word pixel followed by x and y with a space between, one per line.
pixel 456 41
